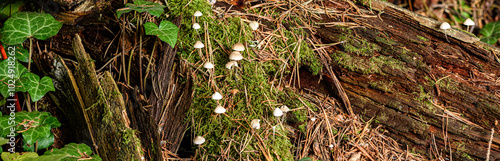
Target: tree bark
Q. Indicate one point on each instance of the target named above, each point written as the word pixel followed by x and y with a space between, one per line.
pixel 398 68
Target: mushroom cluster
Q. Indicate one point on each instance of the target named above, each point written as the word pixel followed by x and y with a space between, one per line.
pixel 234 57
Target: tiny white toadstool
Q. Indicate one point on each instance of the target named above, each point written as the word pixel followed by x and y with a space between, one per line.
pixel 219 109
pixel 196 26
pixel 445 26
pixel 197 14
pixel 216 96
pixel 313 119
pixel 208 65
pixel 238 47
pixel 254 25
pixel 199 140
pixel 284 108
pixel 255 124
pixel 277 112
pixel 330 146
pixel 468 22
pixel 230 64
pixel 235 55
pixel 198 45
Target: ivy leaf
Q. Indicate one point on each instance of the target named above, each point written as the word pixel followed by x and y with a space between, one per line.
pixel 35 126
pixel 154 9
pixel 167 31
pixel 23 25
pixel 22 54
pixel 72 152
pixel 36 87
pixel 42 143
pixel 3 141
pixel 10 72
pixel 19 156
pixel 5 127
pixel 491 32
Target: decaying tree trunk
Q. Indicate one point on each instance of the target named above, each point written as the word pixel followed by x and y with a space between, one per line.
pixel 398 68
pixel 95 107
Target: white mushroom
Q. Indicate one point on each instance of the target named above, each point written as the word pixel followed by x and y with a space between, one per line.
pixel 197 14
pixel 216 96
pixel 238 47
pixel 198 45
pixel 199 140
pixel 219 109
pixel 313 119
pixel 284 108
pixel 230 64
pixel 468 22
pixel 255 124
pixel 254 25
pixel 196 26
pixel 235 55
pixel 208 65
pixel 445 26
pixel 277 112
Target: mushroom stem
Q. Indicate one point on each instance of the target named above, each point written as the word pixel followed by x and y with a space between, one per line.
pixel 445 35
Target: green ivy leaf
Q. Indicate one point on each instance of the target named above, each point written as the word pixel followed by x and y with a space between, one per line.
pixel 35 126
pixel 41 144
pixel 22 54
pixel 3 141
pixel 7 8
pixel 74 152
pixel 23 25
pixel 490 32
pixel 7 73
pixel 167 31
pixel 154 9
pixel 18 156
pixel 35 86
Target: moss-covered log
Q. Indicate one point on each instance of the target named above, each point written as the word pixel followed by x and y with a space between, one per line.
pixel 398 68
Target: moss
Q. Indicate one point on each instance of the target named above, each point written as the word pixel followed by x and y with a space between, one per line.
pixel 388 42
pixel 385 86
pixel 255 99
pixel 422 38
pixel 359 46
pixel 367 66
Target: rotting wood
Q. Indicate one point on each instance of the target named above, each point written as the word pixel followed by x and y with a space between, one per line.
pixel 405 106
pixel 103 106
pixel 171 98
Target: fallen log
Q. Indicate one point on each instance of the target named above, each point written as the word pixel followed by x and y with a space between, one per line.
pixel 440 98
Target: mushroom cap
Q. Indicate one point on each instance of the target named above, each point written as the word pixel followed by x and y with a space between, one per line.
pixel 445 25
pixel 235 55
pixel 208 65
pixel 230 64
pixel 199 140
pixel 198 45
pixel 254 25
pixel 469 22
pixel 284 108
pixel 216 96
pixel 196 26
pixel 219 109
pixel 277 112
pixel 255 124
pixel 313 119
pixel 330 146
pixel 238 47
pixel 197 14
